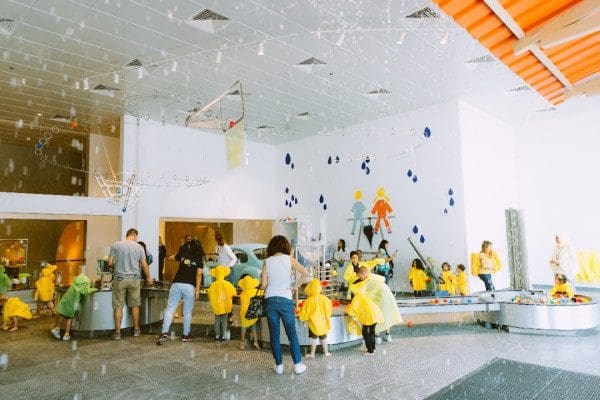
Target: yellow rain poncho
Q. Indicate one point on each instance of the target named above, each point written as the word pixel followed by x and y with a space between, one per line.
pixel 363 309
pixel 51 268
pixel 382 295
pixel 462 282
pixel 68 303
pixel 316 309
pixel 449 282
pixel 419 279
pixel 221 292
pixel 14 307
pixel 5 281
pixel 249 289
pixel 476 262
pixel 562 289
pixel 350 276
pixel 44 287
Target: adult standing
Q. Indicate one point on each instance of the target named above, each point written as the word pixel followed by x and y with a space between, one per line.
pixel 186 286
pixel 339 257
pixel 387 269
pixel 564 260
pixel 162 254
pixel 128 260
pixel 276 280
pixel 486 263
pixel 225 255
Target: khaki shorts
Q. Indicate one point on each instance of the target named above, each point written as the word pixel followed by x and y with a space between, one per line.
pixel 123 289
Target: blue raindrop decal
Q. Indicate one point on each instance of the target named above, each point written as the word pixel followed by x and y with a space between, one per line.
pixel 415 179
pixel 367 160
pixel 415 229
pixel 290 206
pixel 329 160
pixel 427 132
pixel 450 192
pixel 287 190
pixel 292 165
pixel 296 200
pixel 337 159
pixel 321 199
pixel 422 239
pixel 288 159
pixel 324 206
pixel 287 203
pixel 451 202
pixel 445 211
pixel 363 165
pixel 292 197
pixel 409 173
pixel 368 171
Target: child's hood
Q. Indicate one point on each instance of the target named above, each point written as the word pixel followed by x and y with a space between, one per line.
pixel 313 288
pixel 81 283
pixel 47 272
pixel 220 272
pixel 248 283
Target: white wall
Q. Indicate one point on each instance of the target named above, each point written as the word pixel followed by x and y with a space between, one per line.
pixel 490 183
pixel 166 151
pixel 437 164
pixel 558 184
pixel 104 152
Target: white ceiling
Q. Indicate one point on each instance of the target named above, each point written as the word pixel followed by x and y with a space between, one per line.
pixel 57 43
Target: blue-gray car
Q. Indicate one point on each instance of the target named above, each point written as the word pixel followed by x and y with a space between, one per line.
pixel 250 260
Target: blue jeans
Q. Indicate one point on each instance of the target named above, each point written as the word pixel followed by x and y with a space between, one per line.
pixel 177 292
pixel 282 308
pixel 487 280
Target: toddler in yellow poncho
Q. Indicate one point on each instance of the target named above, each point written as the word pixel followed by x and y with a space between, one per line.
pixel 249 287
pixel 220 296
pixel 418 277
pixel 44 291
pixel 562 288
pixel 364 311
pixel 462 281
pixel 449 279
pixel 13 309
pixel 316 309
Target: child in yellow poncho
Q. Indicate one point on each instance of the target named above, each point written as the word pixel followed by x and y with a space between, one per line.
pixel 562 288
pixel 462 281
pixel 44 292
pixel 220 296
pixel 249 287
pixel 13 309
pixel 316 309
pixel 418 277
pixel 449 280
pixel 350 273
pixel 364 311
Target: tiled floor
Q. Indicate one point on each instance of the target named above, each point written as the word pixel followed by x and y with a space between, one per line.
pixel 420 361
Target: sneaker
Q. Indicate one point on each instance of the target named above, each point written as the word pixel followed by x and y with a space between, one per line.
pixel 299 368
pixel 116 336
pixel 377 340
pixel 66 338
pixel 366 353
pixel 279 369
pixel 162 339
pixel 388 337
pixel 55 332
pixel 137 332
pixel 187 338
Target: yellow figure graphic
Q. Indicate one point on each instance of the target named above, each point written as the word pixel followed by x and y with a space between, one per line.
pixel 358 208
pixel 381 208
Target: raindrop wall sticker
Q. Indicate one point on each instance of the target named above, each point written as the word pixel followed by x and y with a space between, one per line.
pixel 329 160
pixel 357 210
pixel 412 176
pixel 321 199
pixel 291 200
pixel 450 192
pixel 288 159
pixel 422 239
pixel 415 179
pixel 337 159
pixel 324 206
pixel 427 132
pixel 415 229
pixel 418 233
pixel 381 208
pixel 451 202
pixel 409 173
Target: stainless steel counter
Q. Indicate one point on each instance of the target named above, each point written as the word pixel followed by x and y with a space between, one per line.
pixel 96 312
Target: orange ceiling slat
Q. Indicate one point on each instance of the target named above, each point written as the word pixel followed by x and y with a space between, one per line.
pixel 576 59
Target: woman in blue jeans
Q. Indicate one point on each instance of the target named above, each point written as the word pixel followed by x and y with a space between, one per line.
pixel 276 280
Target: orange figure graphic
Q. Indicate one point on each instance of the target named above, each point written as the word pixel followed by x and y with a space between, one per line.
pixel 381 208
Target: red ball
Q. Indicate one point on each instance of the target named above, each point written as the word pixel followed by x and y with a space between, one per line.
pixel 231 123
pixel 409 324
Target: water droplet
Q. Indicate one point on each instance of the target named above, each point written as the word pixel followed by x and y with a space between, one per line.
pixel 427 132
pixel 288 159
pixel 415 229
pixel 409 173
pixel 4 361
pixel 450 192
pixel 103 370
pixel 451 202
pixel 321 199
pixel 422 239
pixel 329 160
pixel 415 178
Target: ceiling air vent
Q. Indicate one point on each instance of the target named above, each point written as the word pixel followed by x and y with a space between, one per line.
pixel 424 13
pixel 265 127
pixel 309 64
pixel 306 115
pixel 105 90
pixel 135 63
pixel 208 21
pixel 374 94
pixel 209 15
pixel 7 26
pixel 60 118
pixel 482 59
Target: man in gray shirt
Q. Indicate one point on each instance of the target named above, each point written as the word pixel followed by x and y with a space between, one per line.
pixel 126 256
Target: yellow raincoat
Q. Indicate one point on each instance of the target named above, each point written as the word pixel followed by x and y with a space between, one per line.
pixel 44 287
pixel 562 289
pixel 316 309
pixel 350 276
pixel 221 292
pixel 14 307
pixel 364 310
pixel 462 282
pixel 419 279
pixel 249 289
pixel 476 262
pixel 449 282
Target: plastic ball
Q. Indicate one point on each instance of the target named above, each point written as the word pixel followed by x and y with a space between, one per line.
pixel 437 301
pixel 445 300
pixel 74 124
pixel 231 123
pixel 431 301
pixel 409 324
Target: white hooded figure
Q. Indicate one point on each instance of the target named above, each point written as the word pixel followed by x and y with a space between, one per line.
pixel 564 260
